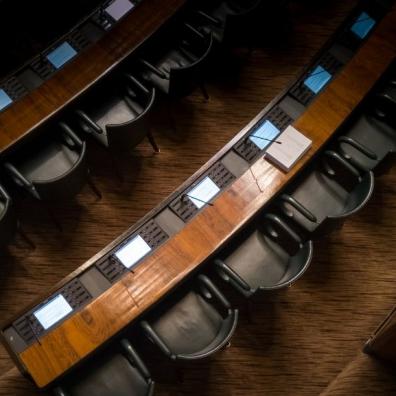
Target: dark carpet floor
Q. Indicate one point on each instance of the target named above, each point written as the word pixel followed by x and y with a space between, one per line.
pixel 301 339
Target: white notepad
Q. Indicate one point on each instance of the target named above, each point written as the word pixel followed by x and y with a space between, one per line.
pixel 293 146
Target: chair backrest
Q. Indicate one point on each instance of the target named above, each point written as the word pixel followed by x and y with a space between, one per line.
pixel 69 184
pixel 8 218
pixel 123 137
pixel 241 24
pixel 113 373
pixel 183 80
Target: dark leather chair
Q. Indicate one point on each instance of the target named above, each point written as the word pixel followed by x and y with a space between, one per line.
pixel 119 117
pixel 324 197
pixel 194 324
pixel 53 168
pixel 120 374
pixel 229 20
pixel 181 67
pixel 8 218
pixel 269 258
pixel 240 22
pixel 370 140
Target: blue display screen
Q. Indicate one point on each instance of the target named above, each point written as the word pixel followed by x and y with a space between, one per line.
pixel 61 55
pixel 363 25
pixel 5 100
pixel 262 136
pixel 317 79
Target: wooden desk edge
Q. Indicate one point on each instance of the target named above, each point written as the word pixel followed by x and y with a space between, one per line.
pixel 390 56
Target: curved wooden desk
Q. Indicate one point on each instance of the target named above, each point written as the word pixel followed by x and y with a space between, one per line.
pixel 26 114
pixel 90 327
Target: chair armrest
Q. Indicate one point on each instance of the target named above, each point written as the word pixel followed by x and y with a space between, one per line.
pixel 209 18
pixel 228 271
pixel 194 31
pixel 299 207
pixel 285 228
pixel 4 193
pixel 387 97
pixel 20 180
pixel 136 83
pixel 341 161
pixel 358 146
pixel 135 358
pixel 89 122
pixel 153 69
pixel 60 392
pixel 213 291
pixel 70 135
pixel 155 338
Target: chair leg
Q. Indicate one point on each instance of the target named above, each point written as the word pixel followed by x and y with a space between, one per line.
pixel 153 143
pixel 93 187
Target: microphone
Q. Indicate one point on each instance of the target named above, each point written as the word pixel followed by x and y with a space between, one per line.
pixel 268 140
pixel 185 195
pixel 30 323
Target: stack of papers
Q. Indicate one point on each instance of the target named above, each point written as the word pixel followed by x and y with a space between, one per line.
pixel 293 145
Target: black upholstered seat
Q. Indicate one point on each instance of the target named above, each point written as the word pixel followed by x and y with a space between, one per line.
pixel 53 167
pixel 8 218
pixel 120 374
pixel 179 67
pixel 269 258
pixel 193 324
pixel 229 20
pixel 240 22
pixel 119 115
pixel 324 197
pixel 374 131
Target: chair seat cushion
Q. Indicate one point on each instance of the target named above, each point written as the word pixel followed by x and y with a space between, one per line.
pixel 375 135
pixel 111 377
pixel 259 261
pixel 115 111
pixel 174 59
pixel 48 162
pixel 189 326
pixel 322 196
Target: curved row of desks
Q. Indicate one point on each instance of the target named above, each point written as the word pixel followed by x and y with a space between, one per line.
pixel 93 63
pixel 190 238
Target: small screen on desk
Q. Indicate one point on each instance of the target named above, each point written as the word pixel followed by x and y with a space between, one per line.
pixel 363 25
pixel 61 55
pixel 263 135
pixel 53 311
pixel 5 100
pixel 317 79
pixel 203 192
pixel 133 251
pixel 119 8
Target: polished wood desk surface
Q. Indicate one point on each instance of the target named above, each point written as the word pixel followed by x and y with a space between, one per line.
pixel 22 117
pixel 96 323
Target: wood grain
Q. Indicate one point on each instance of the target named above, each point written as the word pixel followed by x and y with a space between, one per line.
pixel 24 116
pixel 181 255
